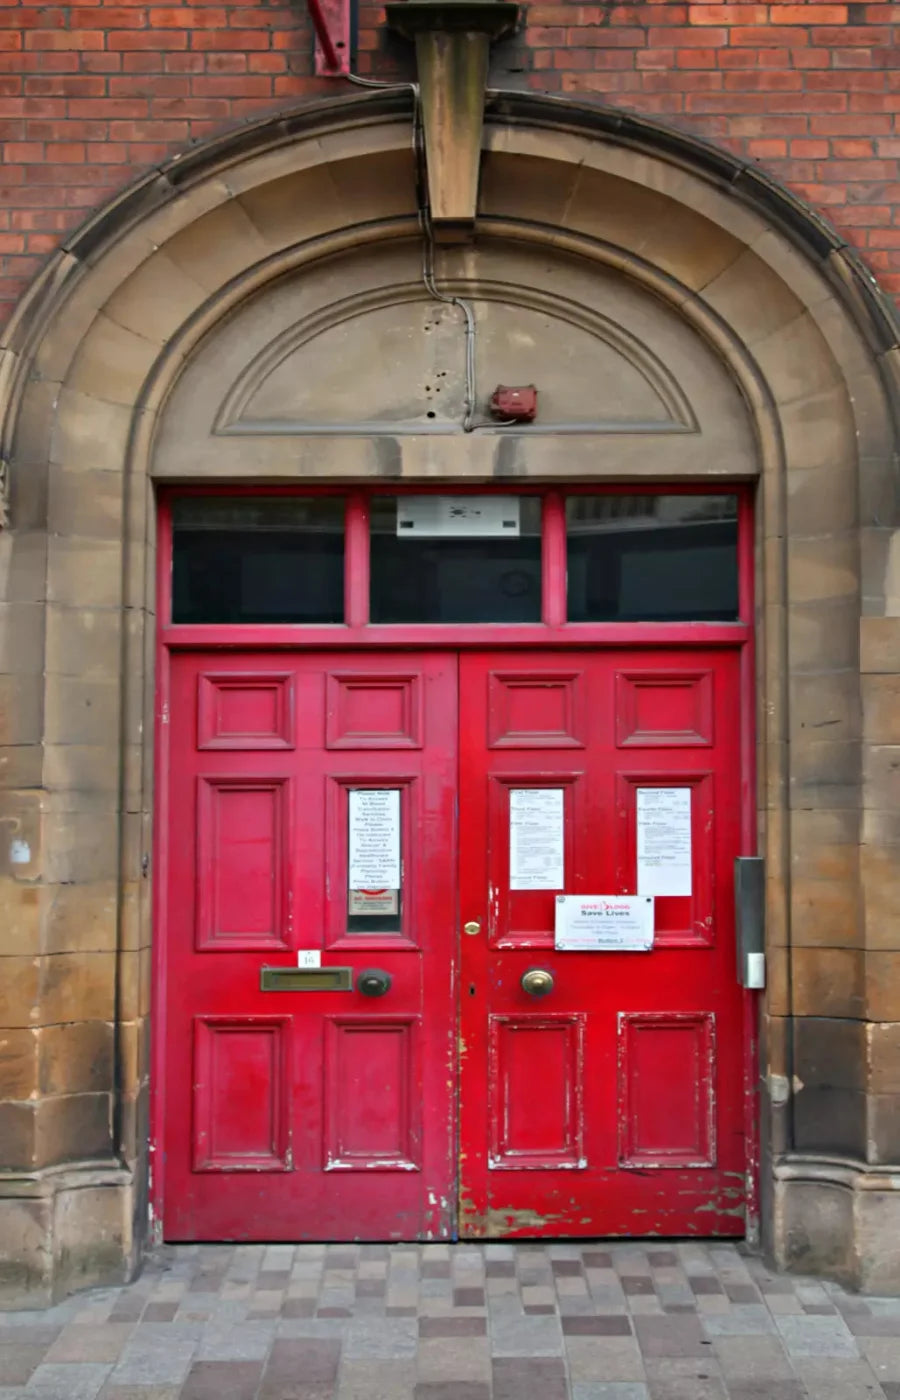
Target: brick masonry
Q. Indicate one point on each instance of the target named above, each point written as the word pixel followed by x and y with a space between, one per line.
pixel 93 93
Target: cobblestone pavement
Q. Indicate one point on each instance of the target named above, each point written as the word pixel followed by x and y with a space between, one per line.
pixel 459 1322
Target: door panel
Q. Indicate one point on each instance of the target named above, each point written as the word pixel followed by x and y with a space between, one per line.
pixel 307 1114
pixel 613 1104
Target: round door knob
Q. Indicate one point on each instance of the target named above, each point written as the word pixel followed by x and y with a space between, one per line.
pixel 373 982
pixel 537 981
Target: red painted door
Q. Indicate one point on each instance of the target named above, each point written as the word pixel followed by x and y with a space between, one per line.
pixel 309 1114
pixel 612 1105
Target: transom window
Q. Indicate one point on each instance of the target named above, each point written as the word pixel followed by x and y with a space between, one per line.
pixel 520 559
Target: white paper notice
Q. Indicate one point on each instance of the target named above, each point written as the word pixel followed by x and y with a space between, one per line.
pixel 374 857
pixel 664 841
pixel 536 844
pixel 604 923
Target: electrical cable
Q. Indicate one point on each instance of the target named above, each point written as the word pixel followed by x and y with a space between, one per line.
pixel 428 275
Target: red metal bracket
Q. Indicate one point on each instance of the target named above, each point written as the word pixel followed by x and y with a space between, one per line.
pixel 331 22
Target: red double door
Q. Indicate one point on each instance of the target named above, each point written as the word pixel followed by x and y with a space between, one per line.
pixel 402 825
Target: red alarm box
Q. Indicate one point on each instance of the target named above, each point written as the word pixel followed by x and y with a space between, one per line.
pixel 518 402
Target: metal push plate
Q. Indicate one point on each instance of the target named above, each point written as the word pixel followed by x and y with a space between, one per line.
pixel 306 979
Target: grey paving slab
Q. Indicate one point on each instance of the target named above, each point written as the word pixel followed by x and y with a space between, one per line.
pixel 609 1390
pixel 156 1360
pixel 78 1381
pixel 248 1341
pixel 816 1336
pixel 567 1320
pixel 752 1358
pixel 883 1355
pixel 528 1336
pixel 739 1320
pixel 388 1338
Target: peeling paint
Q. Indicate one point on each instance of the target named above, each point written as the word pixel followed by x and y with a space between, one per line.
pixel 779 1088
pixel 500 1221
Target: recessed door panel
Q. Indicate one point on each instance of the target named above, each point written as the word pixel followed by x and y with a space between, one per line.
pixel 243 863
pixel 536 713
pixel 372 1097
pixel 537 1092
pixel 667 1089
pixel 245 711
pixel 374 711
pixel 241 1095
pixel 667 709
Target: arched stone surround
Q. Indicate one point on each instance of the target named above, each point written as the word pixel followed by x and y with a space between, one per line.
pixel 90 374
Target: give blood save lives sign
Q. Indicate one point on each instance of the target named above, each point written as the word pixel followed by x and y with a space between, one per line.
pixel 598 923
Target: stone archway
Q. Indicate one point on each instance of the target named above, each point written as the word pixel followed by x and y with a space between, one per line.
pixel 802 360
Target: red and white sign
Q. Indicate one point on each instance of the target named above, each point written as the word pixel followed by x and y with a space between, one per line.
pixel 603 923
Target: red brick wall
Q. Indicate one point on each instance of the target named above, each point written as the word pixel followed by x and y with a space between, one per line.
pixel 94 92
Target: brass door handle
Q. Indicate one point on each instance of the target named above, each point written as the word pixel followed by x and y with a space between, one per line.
pixel 537 982
pixel 472 927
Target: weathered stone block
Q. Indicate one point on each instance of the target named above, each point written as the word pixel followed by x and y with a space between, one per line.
pixel 822 499
pixel 881 775
pixel 879 645
pixel 19 990
pixel 20 709
pixel 825 704
pixel 76 1058
pixel 830 1120
pixel 23 566
pixel 77 987
pixel 828 982
pixel 823 568
pixel 881 708
pixel 813 1227
pixel 21 638
pixel 20 916
pixel 825 913
pixel 18 1134
pixel 73 1127
pixel 112 363
pixel 883 1128
pixel 883 985
pixel 877 1229
pixel 26 1250
pixel 18 1063
pixel 883 1057
pixel 79 918
pixel 84 572
pixel 63 1229
pixel 81 845
pixel 21 766
pixel 82 768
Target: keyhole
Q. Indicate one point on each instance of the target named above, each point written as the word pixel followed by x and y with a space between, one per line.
pixel 471 989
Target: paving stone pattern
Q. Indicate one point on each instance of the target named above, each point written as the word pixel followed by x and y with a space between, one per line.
pixel 589 1321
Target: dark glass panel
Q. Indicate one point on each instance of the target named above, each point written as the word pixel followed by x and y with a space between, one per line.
pixel 652 558
pixel 268 559
pixel 419 573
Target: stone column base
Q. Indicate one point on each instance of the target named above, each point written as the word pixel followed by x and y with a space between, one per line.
pixel 837 1218
pixel 65 1228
